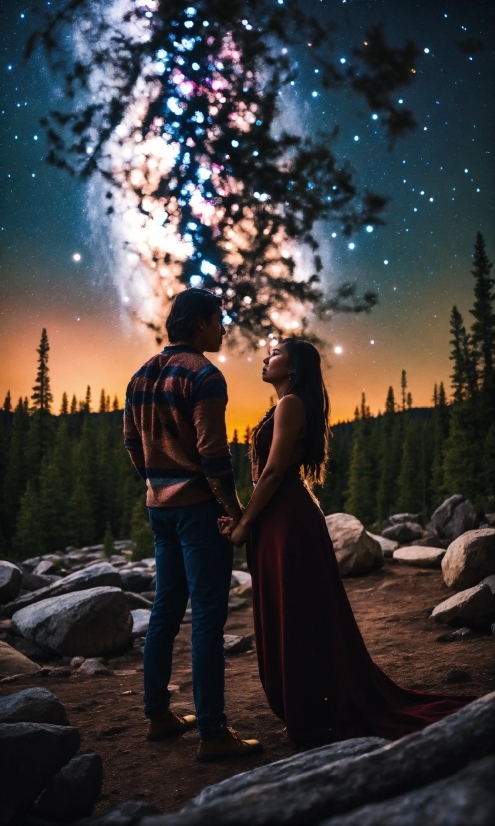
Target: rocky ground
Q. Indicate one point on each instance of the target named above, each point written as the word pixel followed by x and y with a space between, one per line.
pixel 392 606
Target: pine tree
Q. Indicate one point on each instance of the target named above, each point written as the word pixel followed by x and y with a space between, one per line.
pixel 28 540
pixel 464 380
pixel 103 402
pixel 17 470
pixel 42 396
pixel 73 404
pixel 463 453
pixel 389 453
pixel 55 487
pixel 390 401
pixel 108 543
pixel 440 424
pixel 247 436
pixel 7 405
pixel 87 400
pixel 489 471
pixel 141 533
pixel 361 496
pixel 483 312
pixel 64 407
pixel 81 526
pixel 107 405
pixel 435 395
pixel 411 483
pixel 409 401
pixel 116 403
pixel 403 387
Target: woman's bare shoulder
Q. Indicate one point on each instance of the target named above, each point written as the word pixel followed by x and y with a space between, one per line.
pixel 291 406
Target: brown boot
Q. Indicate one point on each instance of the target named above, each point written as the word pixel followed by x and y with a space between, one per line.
pixel 169 725
pixel 227 744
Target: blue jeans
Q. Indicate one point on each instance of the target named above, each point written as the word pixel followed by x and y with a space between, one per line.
pixel 192 559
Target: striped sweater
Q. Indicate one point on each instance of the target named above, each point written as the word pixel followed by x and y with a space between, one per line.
pixel 174 428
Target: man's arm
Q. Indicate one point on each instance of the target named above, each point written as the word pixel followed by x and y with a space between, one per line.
pixel 132 437
pixel 210 402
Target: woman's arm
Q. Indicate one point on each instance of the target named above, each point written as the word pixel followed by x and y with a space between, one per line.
pixel 289 420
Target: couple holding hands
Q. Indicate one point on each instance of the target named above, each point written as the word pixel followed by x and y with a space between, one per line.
pixel 317 674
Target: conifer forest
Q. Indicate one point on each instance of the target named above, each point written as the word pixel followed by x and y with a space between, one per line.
pixel 66 478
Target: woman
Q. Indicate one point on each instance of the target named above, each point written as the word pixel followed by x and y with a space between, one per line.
pixel 314 666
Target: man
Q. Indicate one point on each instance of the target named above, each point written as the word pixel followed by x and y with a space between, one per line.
pixel 174 429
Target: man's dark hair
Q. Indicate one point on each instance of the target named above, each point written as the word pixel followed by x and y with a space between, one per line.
pixel 187 307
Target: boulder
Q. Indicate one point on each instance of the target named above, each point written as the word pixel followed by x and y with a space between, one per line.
pixel 30 754
pixel 34 582
pixel 33 705
pixel 94 668
pixel 137 580
pixel 420 557
pixel 74 790
pixel 466 798
pixel 469 559
pixel 400 518
pixel 388 546
pixel 453 517
pixel 10 581
pixel 336 787
pixel 86 623
pixel 46 567
pixel 282 770
pixel 357 553
pixel 140 622
pixel 94 576
pixel 137 601
pixel 30 649
pixel 474 607
pixel 12 662
pixel 403 532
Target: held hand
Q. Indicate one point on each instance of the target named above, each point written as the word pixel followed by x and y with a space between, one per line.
pixel 239 535
pixel 226 525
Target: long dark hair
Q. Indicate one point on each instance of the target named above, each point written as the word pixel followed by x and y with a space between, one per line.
pixel 307 383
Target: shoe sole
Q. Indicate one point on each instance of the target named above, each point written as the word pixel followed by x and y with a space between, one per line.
pixel 213 758
pixel 153 738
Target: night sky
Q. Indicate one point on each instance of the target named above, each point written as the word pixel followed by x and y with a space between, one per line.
pixel 440 179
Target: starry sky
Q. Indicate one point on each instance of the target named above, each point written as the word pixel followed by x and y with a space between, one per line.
pixel 56 271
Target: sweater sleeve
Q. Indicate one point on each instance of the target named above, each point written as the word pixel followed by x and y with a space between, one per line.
pixel 132 436
pixel 209 405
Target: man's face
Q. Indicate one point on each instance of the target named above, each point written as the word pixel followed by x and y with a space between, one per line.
pixel 212 332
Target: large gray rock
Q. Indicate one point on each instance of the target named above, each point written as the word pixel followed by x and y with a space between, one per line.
pixel 399 518
pixel 88 623
pixel 129 813
pixel 403 532
pixel 95 576
pixel 420 557
pixel 33 582
pixel 467 798
pixel 33 705
pixel 12 662
pixel 74 790
pixel 10 581
pixel 46 567
pixel 357 553
pixel 30 754
pixel 474 607
pixel 30 649
pixel 469 559
pixel 388 546
pixel 412 762
pixel 282 770
pixel 136 580
pixel 453 517
pixel 140 622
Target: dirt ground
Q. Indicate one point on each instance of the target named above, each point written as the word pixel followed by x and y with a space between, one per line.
pixel 392 608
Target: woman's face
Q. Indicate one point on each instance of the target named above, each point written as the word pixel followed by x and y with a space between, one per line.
pixel 276 366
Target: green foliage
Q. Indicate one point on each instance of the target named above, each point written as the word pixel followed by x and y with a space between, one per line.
pixel 141 533
pixel 27 540
pixel 108 543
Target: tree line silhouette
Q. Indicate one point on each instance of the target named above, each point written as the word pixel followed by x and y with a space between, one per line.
pixel 67 480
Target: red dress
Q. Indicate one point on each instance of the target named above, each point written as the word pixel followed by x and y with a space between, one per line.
pixel 314 665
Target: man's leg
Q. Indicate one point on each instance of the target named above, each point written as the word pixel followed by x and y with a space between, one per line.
pixel 208 563
pixel 168 610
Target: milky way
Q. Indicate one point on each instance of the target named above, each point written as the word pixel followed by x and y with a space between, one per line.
pixel 440 179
